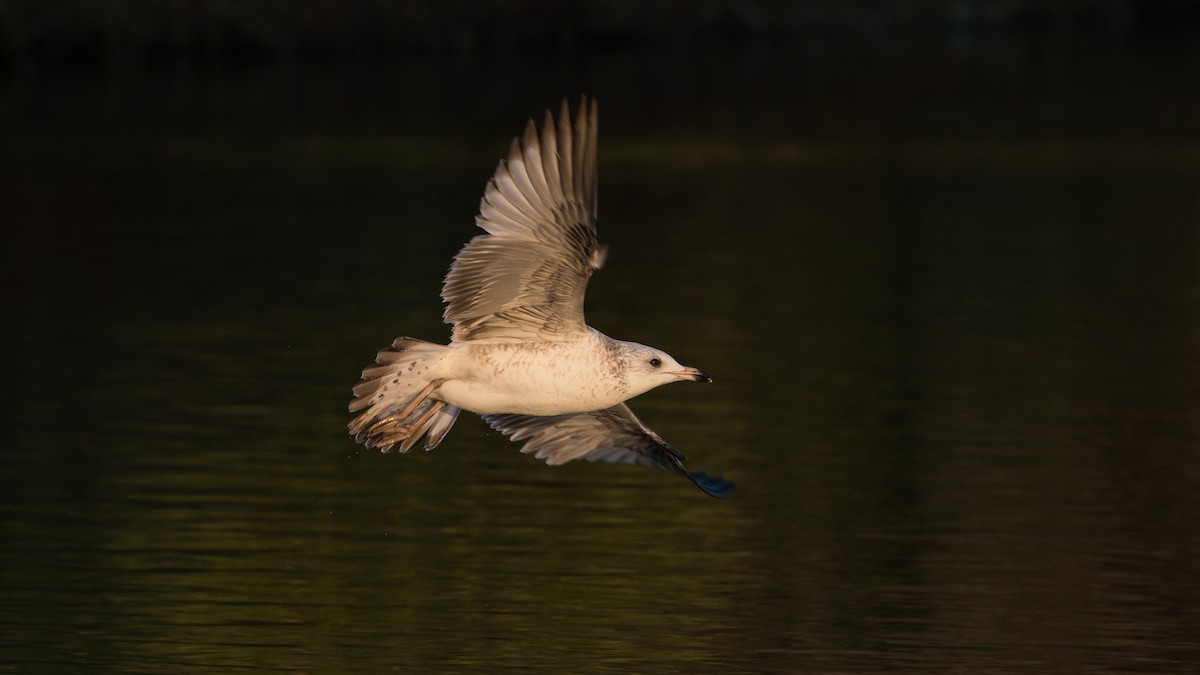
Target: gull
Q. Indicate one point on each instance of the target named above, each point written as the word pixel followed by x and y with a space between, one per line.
pixel 520 354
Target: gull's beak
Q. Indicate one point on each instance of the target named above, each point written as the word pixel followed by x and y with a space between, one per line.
pixel 693 374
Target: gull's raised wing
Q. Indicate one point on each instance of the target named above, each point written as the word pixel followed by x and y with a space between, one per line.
pixel 613 435
pixel 525 279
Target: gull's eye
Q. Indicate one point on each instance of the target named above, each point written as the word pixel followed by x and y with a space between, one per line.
pixel 656 362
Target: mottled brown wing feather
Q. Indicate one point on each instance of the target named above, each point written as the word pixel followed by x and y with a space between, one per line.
pixel 525 279
pixel 612 435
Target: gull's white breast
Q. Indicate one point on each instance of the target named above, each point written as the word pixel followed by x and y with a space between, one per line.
pixel 536 378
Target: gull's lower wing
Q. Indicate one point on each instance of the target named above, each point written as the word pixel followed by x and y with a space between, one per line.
pixel 613 435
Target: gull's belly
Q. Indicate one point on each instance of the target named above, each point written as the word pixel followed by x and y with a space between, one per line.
pixel 534 379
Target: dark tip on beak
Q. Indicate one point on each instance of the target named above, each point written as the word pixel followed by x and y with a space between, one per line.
pixel 693 374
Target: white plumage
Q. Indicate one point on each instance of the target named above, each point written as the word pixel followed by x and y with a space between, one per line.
pixel 521 354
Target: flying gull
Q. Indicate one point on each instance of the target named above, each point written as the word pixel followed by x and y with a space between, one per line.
pixel 520 354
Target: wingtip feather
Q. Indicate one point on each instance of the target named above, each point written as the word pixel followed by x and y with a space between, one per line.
pixel 715 486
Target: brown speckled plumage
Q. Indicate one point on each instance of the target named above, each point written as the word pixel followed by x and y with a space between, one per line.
pixel 521 354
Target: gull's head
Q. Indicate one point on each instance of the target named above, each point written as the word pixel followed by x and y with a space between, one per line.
pixel 647 368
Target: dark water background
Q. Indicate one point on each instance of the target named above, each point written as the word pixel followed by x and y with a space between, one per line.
pixel 949 293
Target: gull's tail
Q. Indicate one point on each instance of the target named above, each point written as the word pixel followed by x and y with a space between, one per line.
pixel 396 394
